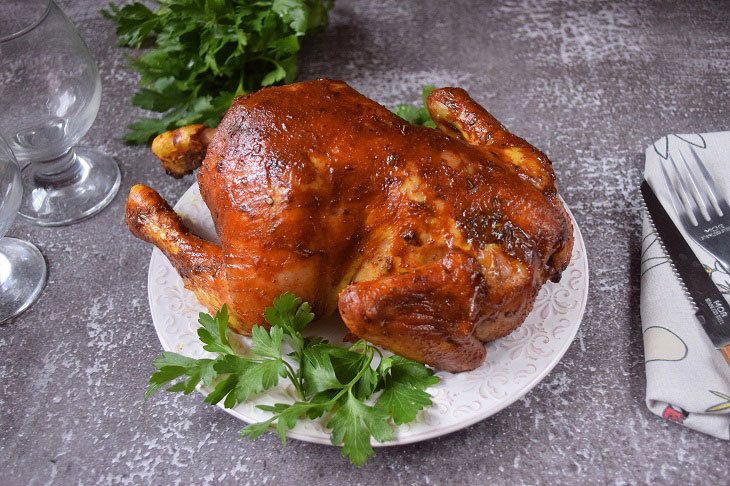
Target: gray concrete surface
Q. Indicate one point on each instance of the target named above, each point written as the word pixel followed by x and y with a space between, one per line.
pixel 591 83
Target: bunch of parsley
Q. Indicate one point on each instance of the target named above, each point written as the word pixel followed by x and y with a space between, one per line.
pixel 357 400
pixel 205 52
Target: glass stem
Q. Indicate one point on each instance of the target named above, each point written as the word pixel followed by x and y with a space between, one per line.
pixel 60 171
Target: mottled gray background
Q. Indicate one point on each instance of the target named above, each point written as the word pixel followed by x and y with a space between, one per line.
pixel 591 83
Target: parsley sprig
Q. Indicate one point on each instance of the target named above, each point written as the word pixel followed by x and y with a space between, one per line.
pixel 358 401
pixel 204 52
pixel 415 114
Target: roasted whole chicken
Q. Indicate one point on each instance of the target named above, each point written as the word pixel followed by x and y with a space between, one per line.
pixel 429 242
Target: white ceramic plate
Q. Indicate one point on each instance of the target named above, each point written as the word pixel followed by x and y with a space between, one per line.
pixel 514 364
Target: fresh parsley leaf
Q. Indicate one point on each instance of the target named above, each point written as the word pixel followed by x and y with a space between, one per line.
pixel 404 383
pixel 274 76
pixel 172 366
pixel 134 23
pixel 290 313
pixel 222 389
pixel 214 331
pixel 322 403
pixel 319 374
pixel 417 115
pixel 286 417
pixel 347 362
pixel 250 377
pixel 407 371
pixel 267 344
pixel 145 128
pixel 164 95
pixel 352 426
pixel 426 91
pixel 367 384
pixel 255 430
pixel 170 359
pixel 402 402
pixel 293 12
pixel 199 49
pixel 163 377
pixel 410 113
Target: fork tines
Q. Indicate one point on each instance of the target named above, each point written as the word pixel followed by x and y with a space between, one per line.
pixel 698 198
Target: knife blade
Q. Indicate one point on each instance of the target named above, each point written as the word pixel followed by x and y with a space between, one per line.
pixel 711 308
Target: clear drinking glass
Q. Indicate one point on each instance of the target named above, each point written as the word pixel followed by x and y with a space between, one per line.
pixel 50 91
pixel 22 267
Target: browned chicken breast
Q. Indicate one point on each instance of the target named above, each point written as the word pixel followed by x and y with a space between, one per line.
pixel 430 242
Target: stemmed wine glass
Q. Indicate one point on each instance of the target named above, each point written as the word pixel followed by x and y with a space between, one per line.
pixel 50 91
pixel 22 267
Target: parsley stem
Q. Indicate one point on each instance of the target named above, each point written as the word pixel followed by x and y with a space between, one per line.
pixel 352 383
pixel 348 387
pixel 345 389
pixel 293 378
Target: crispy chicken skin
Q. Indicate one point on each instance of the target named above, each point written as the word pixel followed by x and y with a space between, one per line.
pixel 197 261
pixel 430 242
pixel 182 150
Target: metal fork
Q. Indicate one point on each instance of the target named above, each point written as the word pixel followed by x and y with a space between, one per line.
pixel 702 209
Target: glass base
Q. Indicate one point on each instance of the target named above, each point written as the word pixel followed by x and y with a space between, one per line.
pixel 89 181
pixel 22 276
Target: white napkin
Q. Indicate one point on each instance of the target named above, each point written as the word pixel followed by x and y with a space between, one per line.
pixel 687 379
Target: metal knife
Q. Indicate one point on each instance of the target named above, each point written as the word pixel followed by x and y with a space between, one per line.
pixel 711 308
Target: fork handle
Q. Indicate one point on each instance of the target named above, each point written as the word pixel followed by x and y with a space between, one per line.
pixel 725 350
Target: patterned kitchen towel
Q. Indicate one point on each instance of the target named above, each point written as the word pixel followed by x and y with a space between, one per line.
pixel 687 379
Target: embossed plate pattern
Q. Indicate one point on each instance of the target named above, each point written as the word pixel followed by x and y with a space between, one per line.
pixel 514 364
